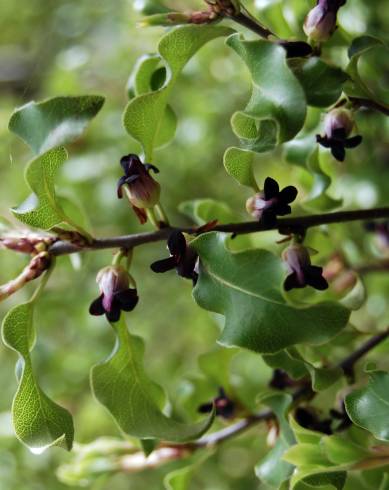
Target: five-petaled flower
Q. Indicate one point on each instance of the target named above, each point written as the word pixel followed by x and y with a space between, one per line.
pixel 182 258
pixel 141 189
pixel 320 23
pixel 224 406
pixel 302 272
pixel 115 293
pixel 338 125
pixel 271 202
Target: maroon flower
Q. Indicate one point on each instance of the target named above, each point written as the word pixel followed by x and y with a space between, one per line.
pixel 224 406
pixel 320 23
pixel 182 258
pixel 115 294
pixel 271 202
pixel 338 124
pixel 382 231
pixel 141 189
pixel 302 273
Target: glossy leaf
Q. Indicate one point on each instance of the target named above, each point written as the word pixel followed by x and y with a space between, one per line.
pixel 276 110
pixel 303 151
pixel 202 211
pixel 121 384
pixel 43 209
pixel 368 407
pixel 321 82
pixel 356 87
pixel 54 122
pixel 291 361
pixel 272 469
pixel 144 115
pixel 38 422
pixel 245 287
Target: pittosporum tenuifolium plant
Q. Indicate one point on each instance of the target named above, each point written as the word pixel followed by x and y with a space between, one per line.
pixel 288 287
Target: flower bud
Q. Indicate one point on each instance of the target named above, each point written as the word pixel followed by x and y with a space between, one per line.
pixel 26 241
pixel 338 125
pixel 141 189
pixel 115 294
pixel 338 120
pixel 302 273
pixel 320 23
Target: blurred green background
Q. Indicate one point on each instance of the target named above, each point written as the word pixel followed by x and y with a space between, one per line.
pixel 57 47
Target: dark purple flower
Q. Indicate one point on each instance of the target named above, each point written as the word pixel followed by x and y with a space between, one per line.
pixel 141 189
pixel 338 124
pixel 302 273
pixel 281 380
pixel 320 23
pixel 116 295
pixel 271 202
pixel 308 419
pixel 224 406
pixel 182 258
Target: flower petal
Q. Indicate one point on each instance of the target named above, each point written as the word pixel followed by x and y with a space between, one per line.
pixel 164 265
pixel 271 188
pixel 176 244
pixel 120 184
pixel 149 166
pixel 353 142
pixel 114 314
pixel 314 278
pixel 128 299
pixel 288 194
pixel 96 308
pixel 291 282
pixel 338 151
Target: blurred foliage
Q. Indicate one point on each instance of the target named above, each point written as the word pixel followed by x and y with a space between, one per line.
pixel 57 47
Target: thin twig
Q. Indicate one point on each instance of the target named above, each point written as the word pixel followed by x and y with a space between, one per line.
pixel 284 225
pixel 231 431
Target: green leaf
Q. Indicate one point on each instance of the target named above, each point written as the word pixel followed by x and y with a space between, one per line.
pixel 272 469
pixel 291 361
pixel 245 288
pixel 121 384
pixel 303 151
pixel 39 423
pixel 202 211
pixel 321 82
pixel 276 110
pixel 42 209
pixel 54 122
pixel 356 87
pixel 145 116
pixel 342 450
pixel 368 407
pixel 179 479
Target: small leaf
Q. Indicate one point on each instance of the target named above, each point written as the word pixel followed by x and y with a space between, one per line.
pixel 42 209
pixel 272 469
pixel 245 288
pixel 368 407
pixel 239 164
pixel 202 211
pixel 122 386
pixel 322 83
pixel 54 122
pixel 342 450
pixel 39 422
pixel 145 115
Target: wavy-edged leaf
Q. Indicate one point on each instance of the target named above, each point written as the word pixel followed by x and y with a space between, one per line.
pixel 39 423
pixel 368 407
pixel 275 112
pixel 202 211
pixel 245 287
pixel 144 116
pixel 303 152
pixel 54 122
pixel 121 384
pixel 43 209
pixel 272 469
pixel 291 361
pixel 321 82
pixel 356 87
